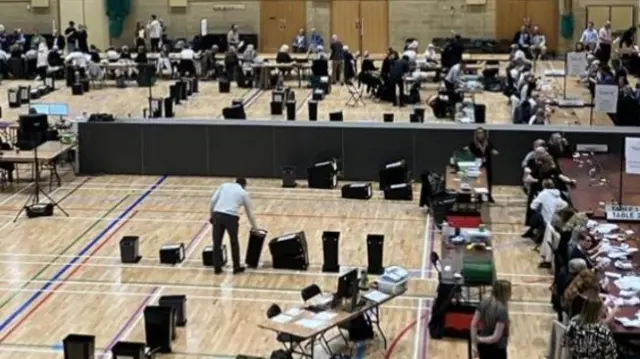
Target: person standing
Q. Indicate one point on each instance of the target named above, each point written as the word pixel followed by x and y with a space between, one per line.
pixel 71 34
pixel 337 60
pixel 604 43
pixel 154 28
pixel 224 209
pixel 490 342
pixel 482 148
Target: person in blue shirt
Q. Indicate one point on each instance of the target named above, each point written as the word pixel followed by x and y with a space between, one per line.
pixel 300 45
pixel 315 40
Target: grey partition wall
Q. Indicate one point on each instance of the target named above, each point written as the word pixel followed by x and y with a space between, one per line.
pixel 263 148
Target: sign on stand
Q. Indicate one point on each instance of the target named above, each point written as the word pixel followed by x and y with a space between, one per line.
pixel 576 64
pixel 606 98
pixel 623 213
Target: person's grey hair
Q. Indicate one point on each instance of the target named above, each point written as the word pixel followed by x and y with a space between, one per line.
pixel 576 265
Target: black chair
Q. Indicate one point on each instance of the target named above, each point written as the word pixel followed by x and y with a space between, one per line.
pixel 291 343
pixel 435 262
pixel 310 292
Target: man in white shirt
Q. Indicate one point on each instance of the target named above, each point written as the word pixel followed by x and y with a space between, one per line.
pixel 589 37
pixel 604 43
pixel 187 66
pixel 154 28
pixel 233 37
pixel 225 211
pixel 538 43
pixel 453 81
pixel 78 59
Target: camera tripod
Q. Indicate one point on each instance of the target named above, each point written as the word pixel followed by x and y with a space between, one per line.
pixel 34 198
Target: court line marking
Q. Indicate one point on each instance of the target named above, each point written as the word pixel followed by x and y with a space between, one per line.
pixel 59 284
pixel 7 321
pixel 257 271
pixel 61 253
pixel 58 348
pixel 426 317
pixel 261 300
pixel 416 340
pixel 129 323
pixel 245 289
pixel 188 251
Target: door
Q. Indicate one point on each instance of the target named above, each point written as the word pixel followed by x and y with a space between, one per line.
pixel 545 15
pixel 344 17
pixel 280 20
pixel 375 26
pixel 510 16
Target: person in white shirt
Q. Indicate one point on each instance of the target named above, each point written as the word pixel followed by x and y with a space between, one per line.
pixel 411 52
pixel 225 210
pixel 431 56
pixel 233 37
pixel 141 34
pixel 300 42
pixel 42 62
pixel 589 37
pixel 604 43
pixel 187 66
pixel 538 43
pixel 154 28
pixel 453 82
pixel 77 59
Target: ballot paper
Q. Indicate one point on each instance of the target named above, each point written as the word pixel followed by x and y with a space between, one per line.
pixel 631 283
pixel 281 318
pixel 613 275
pixel 606 228
pixel 324 316
pixel 376 296
pixel 294 312
pixel 628 322
pixel 310 323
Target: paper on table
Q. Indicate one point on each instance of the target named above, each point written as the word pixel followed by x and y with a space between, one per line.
pixel 481 190
pixel 310 323
pixel 613 274
pixel 376 296
pixel 324 316
pixel 294 312
pixel 281 318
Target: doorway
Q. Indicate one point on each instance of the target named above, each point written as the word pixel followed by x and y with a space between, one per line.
pixel 280 21
pixel 347 16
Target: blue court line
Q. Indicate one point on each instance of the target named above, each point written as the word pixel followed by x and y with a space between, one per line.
pixel 360 346
pixel 6 322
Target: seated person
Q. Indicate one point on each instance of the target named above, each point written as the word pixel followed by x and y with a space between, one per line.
pixel 7 166
pixel 538 43
pixel 187 66
pixel 209 63
pixel 366 74
pixel 579 47
pixel 524 40
pixel 430 58
pixel 112 55
pixel 249 58
pixel 300 45
pixel 283 57
pixel 164 65
pixel 540 117
pixel 411 51
pixel 315 40
pixel 141 55
pixel 94 53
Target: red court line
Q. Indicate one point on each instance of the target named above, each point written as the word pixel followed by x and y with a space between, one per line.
pixel 401 335
pixel 73 271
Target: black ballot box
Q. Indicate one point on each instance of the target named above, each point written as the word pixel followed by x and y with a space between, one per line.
pixel 290 251
pixel 128 350
pixel 254 249
pixel 159 327
pixel 129 249
pixel 179 304
pixel 357 191
pixel 172 254
pixel 79 346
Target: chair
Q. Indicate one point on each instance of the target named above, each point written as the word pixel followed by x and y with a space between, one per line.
pixel 310 292
pixel 355 96
pixel 291 343
pixel 435 262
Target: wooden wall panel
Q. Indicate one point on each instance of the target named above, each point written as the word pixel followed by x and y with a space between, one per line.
pixel 621 17
pixel 509 17
pixel 280 20
pixel 344 14
pixel 375 19
pixel 545 15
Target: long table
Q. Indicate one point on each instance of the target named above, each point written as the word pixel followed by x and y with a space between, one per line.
pixel 48 154
pixel 310 336
pixel 629 311
pixel 598 182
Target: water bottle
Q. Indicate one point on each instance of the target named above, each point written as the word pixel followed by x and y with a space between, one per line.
pixel 445 230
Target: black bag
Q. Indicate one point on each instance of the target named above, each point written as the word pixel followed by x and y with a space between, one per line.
pixel 439 106
pixel 360 329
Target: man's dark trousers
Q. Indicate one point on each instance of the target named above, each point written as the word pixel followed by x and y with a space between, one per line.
pixel 225 222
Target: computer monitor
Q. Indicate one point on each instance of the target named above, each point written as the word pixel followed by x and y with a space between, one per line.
pixel 347 284
pixel 58 109
pixel 40 108
pixel 33 123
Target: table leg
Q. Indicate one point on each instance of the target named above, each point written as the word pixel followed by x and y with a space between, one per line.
pixel 300 77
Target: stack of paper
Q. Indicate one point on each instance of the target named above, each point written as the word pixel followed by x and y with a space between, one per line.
pixel 324 316
pixel 310 323
pixel 376 296
pixel 281 318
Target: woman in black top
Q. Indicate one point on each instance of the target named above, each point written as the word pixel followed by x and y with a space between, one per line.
pixel 482 148
pixel 83 39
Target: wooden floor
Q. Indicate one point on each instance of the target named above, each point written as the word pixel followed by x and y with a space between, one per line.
pixel 63 275
pixel 209 102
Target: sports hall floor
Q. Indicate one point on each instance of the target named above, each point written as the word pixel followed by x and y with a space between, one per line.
pixel 63 275
pixel 209 102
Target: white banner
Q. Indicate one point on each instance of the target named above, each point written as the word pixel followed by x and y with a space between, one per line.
pixel 203 27
pixel 632 155
pixel 606 98
pixel 623 213
pixel 576 63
